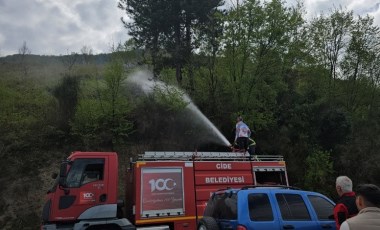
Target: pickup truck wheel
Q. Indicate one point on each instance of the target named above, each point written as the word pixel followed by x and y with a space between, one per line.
pixel 208 223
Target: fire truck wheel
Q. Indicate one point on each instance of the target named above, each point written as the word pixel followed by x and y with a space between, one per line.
pixel 208 223
pixel 104 227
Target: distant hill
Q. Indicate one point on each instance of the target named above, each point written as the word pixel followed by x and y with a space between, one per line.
pixel 51 59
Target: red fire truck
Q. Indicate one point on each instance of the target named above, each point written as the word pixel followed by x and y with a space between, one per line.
pixel 164 190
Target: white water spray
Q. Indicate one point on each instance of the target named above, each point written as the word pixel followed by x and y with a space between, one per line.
pixel 145 80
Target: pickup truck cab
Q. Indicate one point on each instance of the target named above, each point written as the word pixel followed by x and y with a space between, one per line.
pixel 260 208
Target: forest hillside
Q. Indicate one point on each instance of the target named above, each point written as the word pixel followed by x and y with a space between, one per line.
pixel 309 90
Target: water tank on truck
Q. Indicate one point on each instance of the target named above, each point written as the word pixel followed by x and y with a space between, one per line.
pixel 174 187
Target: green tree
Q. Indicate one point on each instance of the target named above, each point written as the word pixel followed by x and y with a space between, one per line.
pixel 66 93
pixel 147 27
pixel 197 16
pixel 335 128
pixel 174 31
pixel 69 61
pixel 102 119
pixel 170 97
pixel 23 52
pixel 319 173
pixel 329 35
pixel 87 54
pixel 360 57
pixel 258 38
pixel 208 79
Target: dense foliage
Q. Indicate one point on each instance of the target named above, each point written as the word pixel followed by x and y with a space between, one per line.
pixel 308 89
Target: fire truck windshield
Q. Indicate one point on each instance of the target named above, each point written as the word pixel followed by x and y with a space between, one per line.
pixel 84 171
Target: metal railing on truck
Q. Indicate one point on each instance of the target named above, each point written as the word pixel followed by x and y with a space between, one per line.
pixel 200 156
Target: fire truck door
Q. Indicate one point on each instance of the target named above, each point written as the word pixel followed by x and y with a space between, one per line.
pixel 86 186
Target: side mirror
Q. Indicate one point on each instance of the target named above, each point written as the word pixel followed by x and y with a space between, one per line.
pixel 54 175
pixel 63 174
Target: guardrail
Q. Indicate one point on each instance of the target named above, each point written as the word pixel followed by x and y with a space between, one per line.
pixel 199 156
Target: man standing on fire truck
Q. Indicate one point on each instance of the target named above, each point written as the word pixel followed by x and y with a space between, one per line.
pixel 242 134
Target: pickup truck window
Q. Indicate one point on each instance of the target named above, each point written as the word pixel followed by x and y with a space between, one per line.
pixel 292 207
pixel 322 207
pixel 84 171
pixel 259 207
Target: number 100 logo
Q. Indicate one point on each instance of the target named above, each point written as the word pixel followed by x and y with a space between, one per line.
pixel 162 184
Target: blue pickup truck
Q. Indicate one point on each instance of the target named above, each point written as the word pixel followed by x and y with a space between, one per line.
pixel 262 208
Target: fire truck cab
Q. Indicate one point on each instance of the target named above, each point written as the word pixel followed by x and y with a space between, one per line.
pixel 164 190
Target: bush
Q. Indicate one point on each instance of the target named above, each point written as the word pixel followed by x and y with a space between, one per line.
pixel 319 172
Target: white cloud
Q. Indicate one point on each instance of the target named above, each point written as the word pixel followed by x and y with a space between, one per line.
pixel 376 15
pixel 58 27
pixel 2 38
pixel 360 7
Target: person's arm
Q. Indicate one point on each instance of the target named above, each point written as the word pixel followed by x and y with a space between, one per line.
pixel 345 226
pixel 237 132
pixel 340 214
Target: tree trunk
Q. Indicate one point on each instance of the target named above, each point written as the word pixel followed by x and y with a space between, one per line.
pixel 156 70
pixel 178 73
pixel 177 55
pixel 189 54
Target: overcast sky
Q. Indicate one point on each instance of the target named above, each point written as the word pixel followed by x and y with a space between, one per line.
pixel 55 27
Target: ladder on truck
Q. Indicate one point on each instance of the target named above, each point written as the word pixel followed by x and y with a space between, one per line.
pixel 199 156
